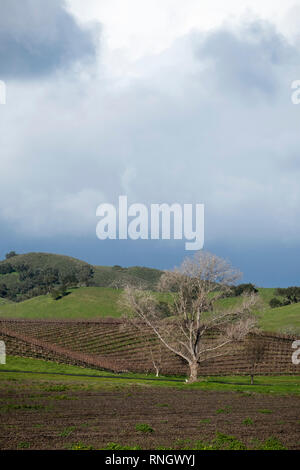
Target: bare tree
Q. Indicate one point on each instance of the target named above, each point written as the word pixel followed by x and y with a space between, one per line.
pixel 197 329
pixel 153 347
pixel 255 351
pixel 156 358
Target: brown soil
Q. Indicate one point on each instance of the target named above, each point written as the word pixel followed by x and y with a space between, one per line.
pixel 58 419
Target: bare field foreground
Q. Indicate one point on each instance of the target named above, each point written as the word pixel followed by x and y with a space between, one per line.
pixel 89 413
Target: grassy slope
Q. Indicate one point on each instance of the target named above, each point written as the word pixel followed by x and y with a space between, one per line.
pixel 275 385
pixel 85 302
pixel 96 302
pixel 272 319
pixel 279 319
pixel 276 319
pixel 104 276
pixel 267 293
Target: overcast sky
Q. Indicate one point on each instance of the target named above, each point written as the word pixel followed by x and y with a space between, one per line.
pixel 160 100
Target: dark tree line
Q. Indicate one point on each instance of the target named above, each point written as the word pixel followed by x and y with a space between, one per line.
pixel 241 289
pixel 34 282
pixel 289 295
pixel 11 254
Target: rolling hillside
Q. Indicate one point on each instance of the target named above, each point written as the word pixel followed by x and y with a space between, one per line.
pixel 281 318
pixel 85 302
pixel 103 276
pixel 34 274
pixel 107 276
pixel 100 298
pixel 102 302
pixel 45 260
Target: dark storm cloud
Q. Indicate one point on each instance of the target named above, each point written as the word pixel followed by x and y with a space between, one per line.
pixel 248 60
pixel 40 36
pixel 217 128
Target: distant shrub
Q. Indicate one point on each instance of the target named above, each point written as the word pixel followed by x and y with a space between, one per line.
pixel 291 294
pixel 241 289
pixel 244 289
pixel 117 267
pixel 274 303
pixel 11 254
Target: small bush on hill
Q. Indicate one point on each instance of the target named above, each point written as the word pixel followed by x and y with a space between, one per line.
pixel 275 302
pixel 11 254
pixel 291 294
pixel 244 289
pixel 241 289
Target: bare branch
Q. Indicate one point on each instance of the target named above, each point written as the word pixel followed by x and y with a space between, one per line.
pixel 198 325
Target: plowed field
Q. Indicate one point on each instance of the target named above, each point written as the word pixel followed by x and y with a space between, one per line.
pixel 54 416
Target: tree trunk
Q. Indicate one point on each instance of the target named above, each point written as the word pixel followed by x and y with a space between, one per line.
pixel 252 379
pixel 193 372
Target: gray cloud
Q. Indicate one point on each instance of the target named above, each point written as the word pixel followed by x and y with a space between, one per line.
pixel 209 120
pixel 38 37
pixel 247 61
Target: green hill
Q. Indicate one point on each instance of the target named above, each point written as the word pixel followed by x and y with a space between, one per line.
pixel 96 302
pixel 82 303
pixel 45 260
pixel 116 276
pixel 33 274
pixel 282 319
pixel 103 276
